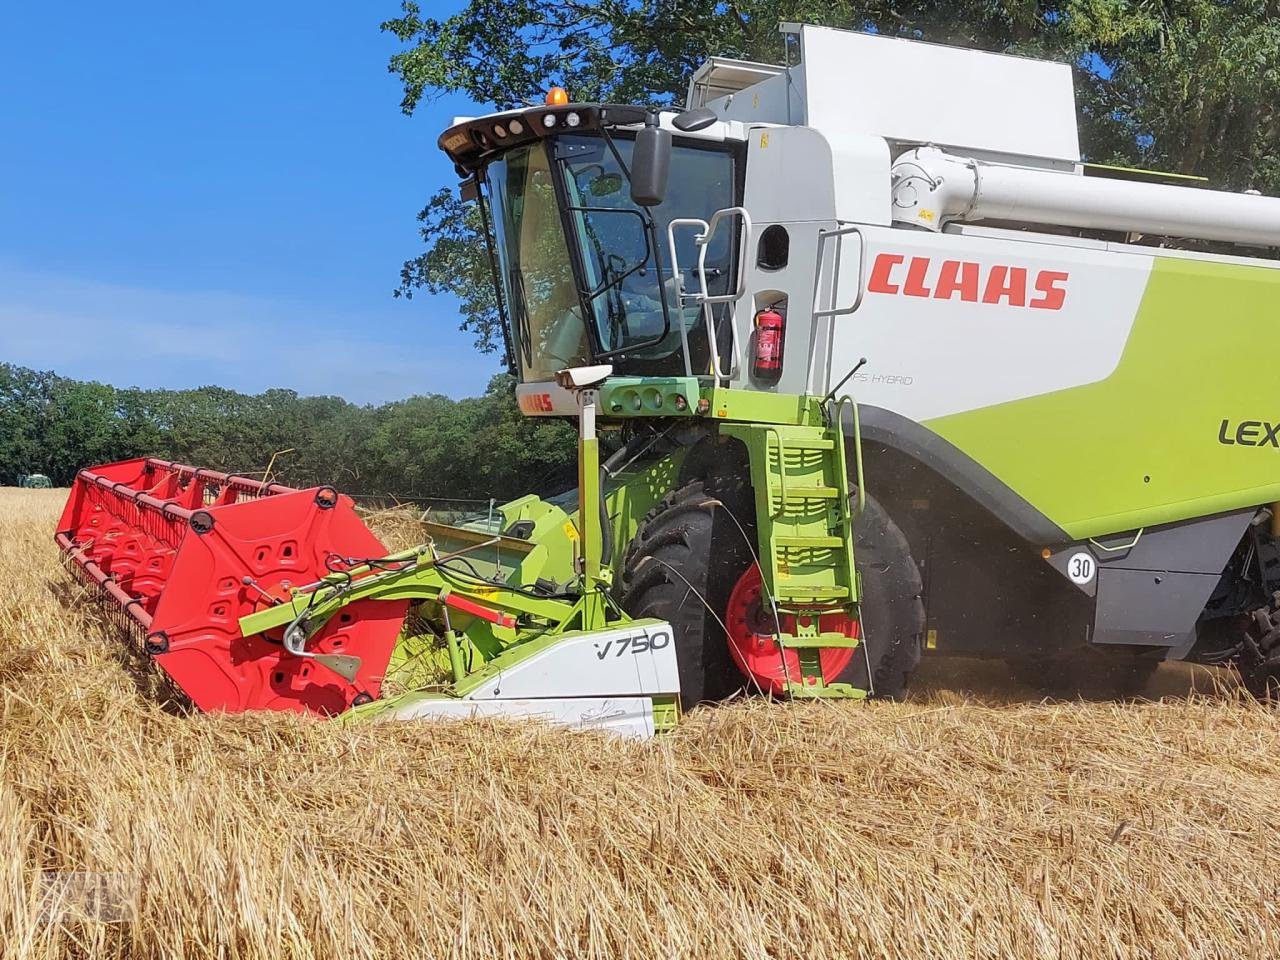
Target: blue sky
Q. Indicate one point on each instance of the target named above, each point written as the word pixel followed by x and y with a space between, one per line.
pixel 219 193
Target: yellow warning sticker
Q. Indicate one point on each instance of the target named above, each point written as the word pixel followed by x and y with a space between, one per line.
pixel 931 640
pixel 571 531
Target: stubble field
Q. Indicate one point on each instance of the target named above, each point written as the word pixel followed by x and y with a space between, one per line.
pixel 972 821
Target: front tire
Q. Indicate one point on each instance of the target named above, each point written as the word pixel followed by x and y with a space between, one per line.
pixel 682 565
pixel 691 551
pixel 891 607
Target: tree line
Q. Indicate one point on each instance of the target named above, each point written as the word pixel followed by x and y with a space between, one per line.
pixel 425 447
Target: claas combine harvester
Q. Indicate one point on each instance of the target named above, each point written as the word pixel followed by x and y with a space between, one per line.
pixel 1071 457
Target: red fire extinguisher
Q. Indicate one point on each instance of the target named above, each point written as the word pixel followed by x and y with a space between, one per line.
pixel 766 359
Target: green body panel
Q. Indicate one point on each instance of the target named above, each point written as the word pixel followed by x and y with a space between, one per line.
pixel 1143 446
pixel 633 493
pixel 551 549
pixel 628 495
pixel 756 406
pixel 628 397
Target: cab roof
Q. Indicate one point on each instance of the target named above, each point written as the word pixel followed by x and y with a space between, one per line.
pixel 472 143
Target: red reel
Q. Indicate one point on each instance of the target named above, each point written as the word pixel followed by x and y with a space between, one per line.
pixel 186 553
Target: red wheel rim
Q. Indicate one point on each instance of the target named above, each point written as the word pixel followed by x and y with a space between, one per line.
pixel 756 652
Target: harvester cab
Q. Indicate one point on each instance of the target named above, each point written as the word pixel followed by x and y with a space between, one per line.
pixel 696 287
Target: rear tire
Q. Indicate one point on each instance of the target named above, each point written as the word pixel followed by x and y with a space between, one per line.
pixel 1260 663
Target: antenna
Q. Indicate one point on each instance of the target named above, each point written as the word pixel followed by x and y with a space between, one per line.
pixel 845 379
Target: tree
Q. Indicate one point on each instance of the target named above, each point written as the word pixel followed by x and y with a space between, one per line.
pixel 24 401
pixel 80 425
pixel 1188 85
pixel 428 447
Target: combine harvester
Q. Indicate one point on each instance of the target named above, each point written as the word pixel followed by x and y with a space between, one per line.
pixel 1067 460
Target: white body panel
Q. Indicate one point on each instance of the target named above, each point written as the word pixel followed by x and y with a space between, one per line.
pixel 546 399
pixel 603 680
pixel 903 90
pixel 952 323
pixel 638 659
pixel 921 92
pixel 932 187
pixel 627 716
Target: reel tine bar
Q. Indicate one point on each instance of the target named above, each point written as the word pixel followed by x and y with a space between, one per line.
pixel 183 553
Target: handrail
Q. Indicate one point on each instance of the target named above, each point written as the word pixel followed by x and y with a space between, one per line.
pixel 675 273
pixel 702 240
pixel 714 222
pixel 837 422
pixel 823 236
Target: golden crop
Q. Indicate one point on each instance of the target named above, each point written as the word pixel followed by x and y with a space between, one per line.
pixel 947 827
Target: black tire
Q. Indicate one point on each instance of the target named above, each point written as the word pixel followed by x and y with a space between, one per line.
pixel 1260 661
pixel 687 550
pixel 891 608
pixel 695 543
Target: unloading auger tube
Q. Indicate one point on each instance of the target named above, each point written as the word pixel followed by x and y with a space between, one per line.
pixel 932 188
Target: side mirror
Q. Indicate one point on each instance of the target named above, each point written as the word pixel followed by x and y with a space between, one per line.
pixel 650 162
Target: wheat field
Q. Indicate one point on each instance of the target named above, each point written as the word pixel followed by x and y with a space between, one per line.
pixel 952 826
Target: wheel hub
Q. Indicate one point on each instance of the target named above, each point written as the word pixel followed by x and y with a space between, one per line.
pixel 753 642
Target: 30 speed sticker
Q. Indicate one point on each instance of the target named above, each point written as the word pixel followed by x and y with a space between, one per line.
pixel 1081 568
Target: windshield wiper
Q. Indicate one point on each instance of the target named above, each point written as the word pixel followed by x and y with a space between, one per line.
pixel 515 278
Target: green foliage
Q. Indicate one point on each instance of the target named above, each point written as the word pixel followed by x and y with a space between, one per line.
pixel 456 264
pixel 1188 86
pixel 508 53
pixel 428 447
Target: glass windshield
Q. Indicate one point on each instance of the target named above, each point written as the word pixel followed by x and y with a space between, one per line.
pixel 619 280
pixel 622 281
pixel 533 266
